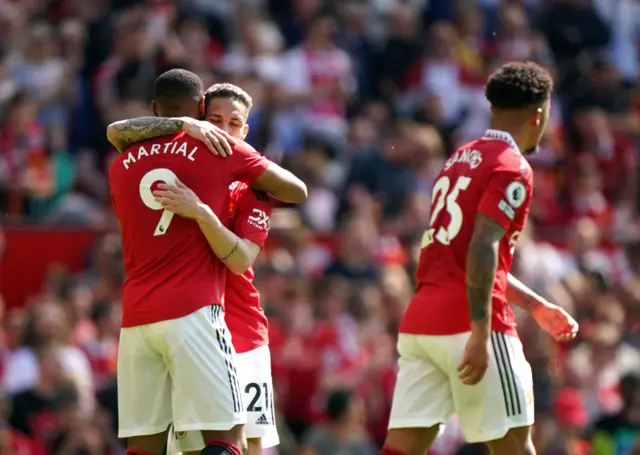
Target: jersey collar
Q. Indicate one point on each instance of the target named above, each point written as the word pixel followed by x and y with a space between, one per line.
pixel 499 135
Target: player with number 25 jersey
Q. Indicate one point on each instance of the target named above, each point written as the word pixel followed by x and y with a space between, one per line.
pixel 458 345
pixel 489 176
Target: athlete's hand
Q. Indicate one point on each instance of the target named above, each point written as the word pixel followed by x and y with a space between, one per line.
pixel 475 360
pixel 556 322
pixel 218 141
pixel 179 199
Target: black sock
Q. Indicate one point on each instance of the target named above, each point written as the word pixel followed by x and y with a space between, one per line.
pixel 221 448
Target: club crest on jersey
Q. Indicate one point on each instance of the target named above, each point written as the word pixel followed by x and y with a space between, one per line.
pixel 470 156
pixel 516 194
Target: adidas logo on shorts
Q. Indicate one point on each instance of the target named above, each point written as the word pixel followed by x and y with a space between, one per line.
pixel 262 420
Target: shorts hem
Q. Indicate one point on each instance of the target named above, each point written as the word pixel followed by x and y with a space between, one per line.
pixel 218 426
pixel 122 434
pixel 415 423
pixel 494 435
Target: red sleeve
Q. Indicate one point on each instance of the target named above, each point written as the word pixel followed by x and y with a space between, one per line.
pixel 246 164
pixel 506 197
pixel 252 221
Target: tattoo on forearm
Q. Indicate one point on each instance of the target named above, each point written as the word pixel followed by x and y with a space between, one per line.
pixel 143 128
pixel 482 262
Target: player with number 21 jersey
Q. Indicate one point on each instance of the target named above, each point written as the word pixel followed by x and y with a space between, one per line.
pixel 490 176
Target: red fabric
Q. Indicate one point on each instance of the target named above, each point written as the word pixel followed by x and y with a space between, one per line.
pixel 174 273
pixel 386 450
pixel 296 368
pixel 225 444
pixel 20 444
pixel 136 452
pixel 488 176
pixel 615 166
pixel 250 213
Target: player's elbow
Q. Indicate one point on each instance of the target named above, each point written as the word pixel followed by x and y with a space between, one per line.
pixel 298 191
pixel 112 136
pixel 282 185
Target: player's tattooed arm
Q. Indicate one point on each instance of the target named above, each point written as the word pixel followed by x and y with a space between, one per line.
pixel 520 295
pixel 125 133
pixel 482 263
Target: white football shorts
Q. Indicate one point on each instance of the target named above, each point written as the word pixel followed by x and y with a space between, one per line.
pixel 254 369
pixel 428 391
pixel 181 372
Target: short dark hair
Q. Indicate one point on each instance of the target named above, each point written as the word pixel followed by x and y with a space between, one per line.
pixel 519 85
pixel 227 90
pixel 174 87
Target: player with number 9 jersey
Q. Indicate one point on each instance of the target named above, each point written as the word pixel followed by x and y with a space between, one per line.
pixel 489 176
pixel 171 271
pixel 175 343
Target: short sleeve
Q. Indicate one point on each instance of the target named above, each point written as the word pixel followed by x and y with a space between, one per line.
pixel 252 221
pixel 245 164
pixel 506 197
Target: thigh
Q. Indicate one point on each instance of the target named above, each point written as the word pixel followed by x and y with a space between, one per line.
pixel 206 391
pixel 144 385
pixel 254 368
pixel 422 396
pixel 503 399
pixel 184 441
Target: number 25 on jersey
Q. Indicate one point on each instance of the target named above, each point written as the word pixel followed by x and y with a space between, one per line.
pixel 160 175
pixel 444 196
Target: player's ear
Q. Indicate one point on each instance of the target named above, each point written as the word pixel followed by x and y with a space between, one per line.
pixel 537 117
pixel 202 108
pixel 154 108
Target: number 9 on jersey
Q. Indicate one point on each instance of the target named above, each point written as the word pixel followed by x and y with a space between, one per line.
pixel 161 175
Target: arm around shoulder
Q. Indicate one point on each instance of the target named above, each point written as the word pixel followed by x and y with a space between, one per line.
pixel 124 133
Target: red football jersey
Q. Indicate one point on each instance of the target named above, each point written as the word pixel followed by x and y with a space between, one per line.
pixel 171 270
pixel 489 176
pixel 250 212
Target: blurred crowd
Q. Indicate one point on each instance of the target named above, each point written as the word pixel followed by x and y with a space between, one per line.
pixel 364 100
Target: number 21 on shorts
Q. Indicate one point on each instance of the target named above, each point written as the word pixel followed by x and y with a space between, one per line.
pixel 162 175
pixel 443 198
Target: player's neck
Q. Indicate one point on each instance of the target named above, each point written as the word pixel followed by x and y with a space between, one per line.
pixel 515 131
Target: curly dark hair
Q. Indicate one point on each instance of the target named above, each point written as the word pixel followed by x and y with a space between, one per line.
pixel 519 85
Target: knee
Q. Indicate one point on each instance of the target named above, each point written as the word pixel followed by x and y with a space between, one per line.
pixel 236 436
pixel 411 441
pixel 254 446
pixel 516 441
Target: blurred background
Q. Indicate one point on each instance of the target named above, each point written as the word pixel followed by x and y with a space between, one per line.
pixel 364 100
